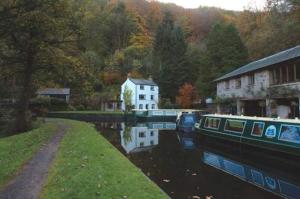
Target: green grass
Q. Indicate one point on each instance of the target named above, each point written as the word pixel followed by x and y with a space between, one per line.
pixel 18 149
pixel 88 166
pixel 92 112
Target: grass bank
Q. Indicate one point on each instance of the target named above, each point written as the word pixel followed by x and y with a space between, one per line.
pixel 88 166
pixel 18 149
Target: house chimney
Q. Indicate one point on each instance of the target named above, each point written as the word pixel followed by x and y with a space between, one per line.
pixel 150 77
pixel 128 75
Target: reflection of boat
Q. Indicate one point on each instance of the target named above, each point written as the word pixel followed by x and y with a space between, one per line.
pixel 186 139
pixel 138 138
pixel 274 134
pixel 272 183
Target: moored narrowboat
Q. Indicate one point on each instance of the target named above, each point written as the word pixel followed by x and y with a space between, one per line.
pixel 269 133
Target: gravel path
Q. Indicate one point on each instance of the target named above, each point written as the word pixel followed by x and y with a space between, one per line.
pixel 28 184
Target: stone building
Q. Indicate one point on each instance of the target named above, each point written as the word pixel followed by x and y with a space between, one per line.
pixel 266 87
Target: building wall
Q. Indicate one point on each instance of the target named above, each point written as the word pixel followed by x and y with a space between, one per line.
pixel 261 82
pixel 136 91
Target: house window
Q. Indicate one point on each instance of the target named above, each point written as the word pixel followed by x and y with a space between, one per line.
pixel 142 134
pixel 151 142
pixel 142 144
pixel 238 83
pixel 142 87
pixel 141 106
pixel 151 133
pixel 251 80
pixel 152 97
pixel 227 84
pixel 153 106
pixel 236 126
pixel 152 88
pixel 297 68
pixel 147 106
pixel 142 97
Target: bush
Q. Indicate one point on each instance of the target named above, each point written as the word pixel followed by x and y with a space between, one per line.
pixel 58 104
pixel 40 105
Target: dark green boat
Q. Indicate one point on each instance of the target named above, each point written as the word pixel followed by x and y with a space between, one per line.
pixel 269 133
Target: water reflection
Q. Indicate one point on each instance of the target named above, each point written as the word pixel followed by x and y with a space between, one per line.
pixel 255 176
pixel 171 159
pixel 143 136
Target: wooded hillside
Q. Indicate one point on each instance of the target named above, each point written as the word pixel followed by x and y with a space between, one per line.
pixel 91 46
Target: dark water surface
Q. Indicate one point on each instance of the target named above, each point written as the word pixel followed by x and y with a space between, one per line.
pixel 186 165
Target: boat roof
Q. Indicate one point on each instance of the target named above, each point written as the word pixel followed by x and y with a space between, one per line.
pixel 296 120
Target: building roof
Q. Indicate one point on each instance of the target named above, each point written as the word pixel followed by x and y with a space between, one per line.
pixel 265 62
pixel 54 91
pixel 143 82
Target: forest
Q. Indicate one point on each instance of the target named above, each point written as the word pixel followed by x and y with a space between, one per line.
pixel 92 46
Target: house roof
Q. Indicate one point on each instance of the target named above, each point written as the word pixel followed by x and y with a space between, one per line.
pixel 265 62
pixel 143 82
pixel 54 91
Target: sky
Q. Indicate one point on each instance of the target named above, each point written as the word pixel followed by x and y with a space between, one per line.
pixel 225 4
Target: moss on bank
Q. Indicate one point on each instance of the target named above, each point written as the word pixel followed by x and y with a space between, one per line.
pixel 88 166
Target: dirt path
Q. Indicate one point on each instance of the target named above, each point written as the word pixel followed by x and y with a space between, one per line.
pixel 28 184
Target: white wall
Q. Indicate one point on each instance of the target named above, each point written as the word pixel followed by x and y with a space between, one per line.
pixel 135 143
pixel 136 91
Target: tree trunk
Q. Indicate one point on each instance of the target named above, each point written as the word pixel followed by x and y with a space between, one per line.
pixel 23 116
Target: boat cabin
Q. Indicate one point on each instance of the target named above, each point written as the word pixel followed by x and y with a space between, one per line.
pixel 270 133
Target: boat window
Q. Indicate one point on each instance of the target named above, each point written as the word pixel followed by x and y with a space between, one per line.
pixel 258 128
pixel 290 133
pixel 235 126
pixel 211 122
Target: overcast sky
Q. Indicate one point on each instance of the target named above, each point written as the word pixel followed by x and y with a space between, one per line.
pixel 225 4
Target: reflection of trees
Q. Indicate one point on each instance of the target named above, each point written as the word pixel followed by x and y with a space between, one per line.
pixel 127 135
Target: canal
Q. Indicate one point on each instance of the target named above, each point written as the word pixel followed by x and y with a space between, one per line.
pixel 186 165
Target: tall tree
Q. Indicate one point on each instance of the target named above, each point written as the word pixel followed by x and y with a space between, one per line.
pixel 169 57
pixel 34 37
pixel 224 52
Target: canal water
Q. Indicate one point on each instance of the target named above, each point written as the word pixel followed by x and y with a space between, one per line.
pixel 187 165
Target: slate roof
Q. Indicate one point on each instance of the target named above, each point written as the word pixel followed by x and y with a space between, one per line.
pixel 54 91
pixel 265 62
pixel 143 82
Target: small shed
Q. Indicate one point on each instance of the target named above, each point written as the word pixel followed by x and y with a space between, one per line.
pixel 61 93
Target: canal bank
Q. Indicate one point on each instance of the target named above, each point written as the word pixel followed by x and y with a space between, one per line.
pixel 86 165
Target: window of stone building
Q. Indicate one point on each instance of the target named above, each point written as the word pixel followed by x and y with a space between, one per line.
pixel 227 84
pixel 238 83
pixel 251 80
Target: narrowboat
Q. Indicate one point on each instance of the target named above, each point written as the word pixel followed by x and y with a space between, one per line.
pixel 274 134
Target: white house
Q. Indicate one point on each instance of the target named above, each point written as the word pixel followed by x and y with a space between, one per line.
pixel 145 93
pixel 266 87
pixel 138 138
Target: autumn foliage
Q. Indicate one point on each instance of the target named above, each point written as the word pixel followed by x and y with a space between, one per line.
pixel 186 95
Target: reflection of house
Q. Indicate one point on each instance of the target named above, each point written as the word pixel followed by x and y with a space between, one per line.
pixel 144 93
pixel 266 87
pixel 138 138
pixel 61 93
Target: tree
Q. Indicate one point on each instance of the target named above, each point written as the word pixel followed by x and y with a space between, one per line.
pixel 224 52
pixel 186 95
pixel 169 57
pixel 127 96
pixel 35 38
